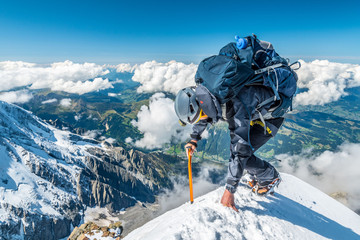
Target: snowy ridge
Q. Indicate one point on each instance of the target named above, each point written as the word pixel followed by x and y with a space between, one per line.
pixel 39 172
pixel 27 142
pixel 48 177
pixel 297 211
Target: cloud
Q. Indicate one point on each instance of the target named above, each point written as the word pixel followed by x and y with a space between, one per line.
pixel 179 195
pixel 159 123
pixel 325 81
pixel 128 140
pixel 66 102
pixel 118 81
pixel 77 117
pixel 61 76
pixel 114 94
pixel 21 96
pixel 92 133
pixel 169 77
pixel 53 100
pixel 322 80
pixel 331 172
pixel 109 140
pixel 125 67
pixel 81 87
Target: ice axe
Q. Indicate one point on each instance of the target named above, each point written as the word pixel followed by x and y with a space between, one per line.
pixel 190 177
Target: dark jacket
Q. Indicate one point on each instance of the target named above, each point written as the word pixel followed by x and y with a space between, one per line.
pixel 243 106
pixel 239 112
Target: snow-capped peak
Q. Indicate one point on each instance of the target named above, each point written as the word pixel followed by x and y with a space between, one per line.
pixel 296 211
pixel 48 177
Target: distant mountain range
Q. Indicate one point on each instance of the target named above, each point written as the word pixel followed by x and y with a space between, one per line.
pixel 108 114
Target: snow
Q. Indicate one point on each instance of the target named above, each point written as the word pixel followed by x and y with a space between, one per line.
pixel 100 216
pixel 26 141
pixel 39 168
pixel 296 211
pixel 99 234
pixel 27 190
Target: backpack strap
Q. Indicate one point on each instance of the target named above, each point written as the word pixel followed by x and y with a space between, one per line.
pixel 266 69
pixel 263 121
pixel 269 100
pixel 252 41
pixel 294 67
pixel 223 111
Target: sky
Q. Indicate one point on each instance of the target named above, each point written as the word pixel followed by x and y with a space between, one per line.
pixel 110 31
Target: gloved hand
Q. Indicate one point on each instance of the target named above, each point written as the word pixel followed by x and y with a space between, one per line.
pixel 190 147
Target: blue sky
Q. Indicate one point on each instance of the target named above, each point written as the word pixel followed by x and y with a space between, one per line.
pixel 137 31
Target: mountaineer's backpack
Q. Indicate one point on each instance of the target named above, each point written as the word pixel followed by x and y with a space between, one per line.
pixel 246 62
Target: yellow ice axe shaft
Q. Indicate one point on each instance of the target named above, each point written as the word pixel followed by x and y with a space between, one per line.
pixel 190 178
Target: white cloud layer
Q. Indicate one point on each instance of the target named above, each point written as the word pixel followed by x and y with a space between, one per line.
pixel 21 96
pixel 171 199
pixel 92 133
pixel 169 77
pixel 128 140
pixel 80 87
pixel 66 102
pixel 110 140
pixel 159 123
pixel 53 100
pixel 125 67
pixel 62 76
pixel 326 81
pixel 331 172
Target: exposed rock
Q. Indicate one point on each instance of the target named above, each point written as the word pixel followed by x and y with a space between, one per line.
pixel 341 197
pixel 90 229
pixel 69 173
pixel 76 233
pixel 36 226
pixel 82 237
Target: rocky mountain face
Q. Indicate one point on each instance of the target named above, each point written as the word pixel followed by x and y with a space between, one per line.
pixel 48 177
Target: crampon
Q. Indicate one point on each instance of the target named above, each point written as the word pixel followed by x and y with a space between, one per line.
pixel 267 189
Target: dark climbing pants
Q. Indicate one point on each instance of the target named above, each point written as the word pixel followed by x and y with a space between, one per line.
pixel 242 153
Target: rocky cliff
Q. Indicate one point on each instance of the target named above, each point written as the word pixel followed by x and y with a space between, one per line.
pixel 48 177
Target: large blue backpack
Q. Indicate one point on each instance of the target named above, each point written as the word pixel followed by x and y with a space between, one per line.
pixel 255 62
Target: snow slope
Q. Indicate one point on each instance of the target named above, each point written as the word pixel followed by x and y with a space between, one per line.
pixel 296 211
pixel 27 143
pixel 39 171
